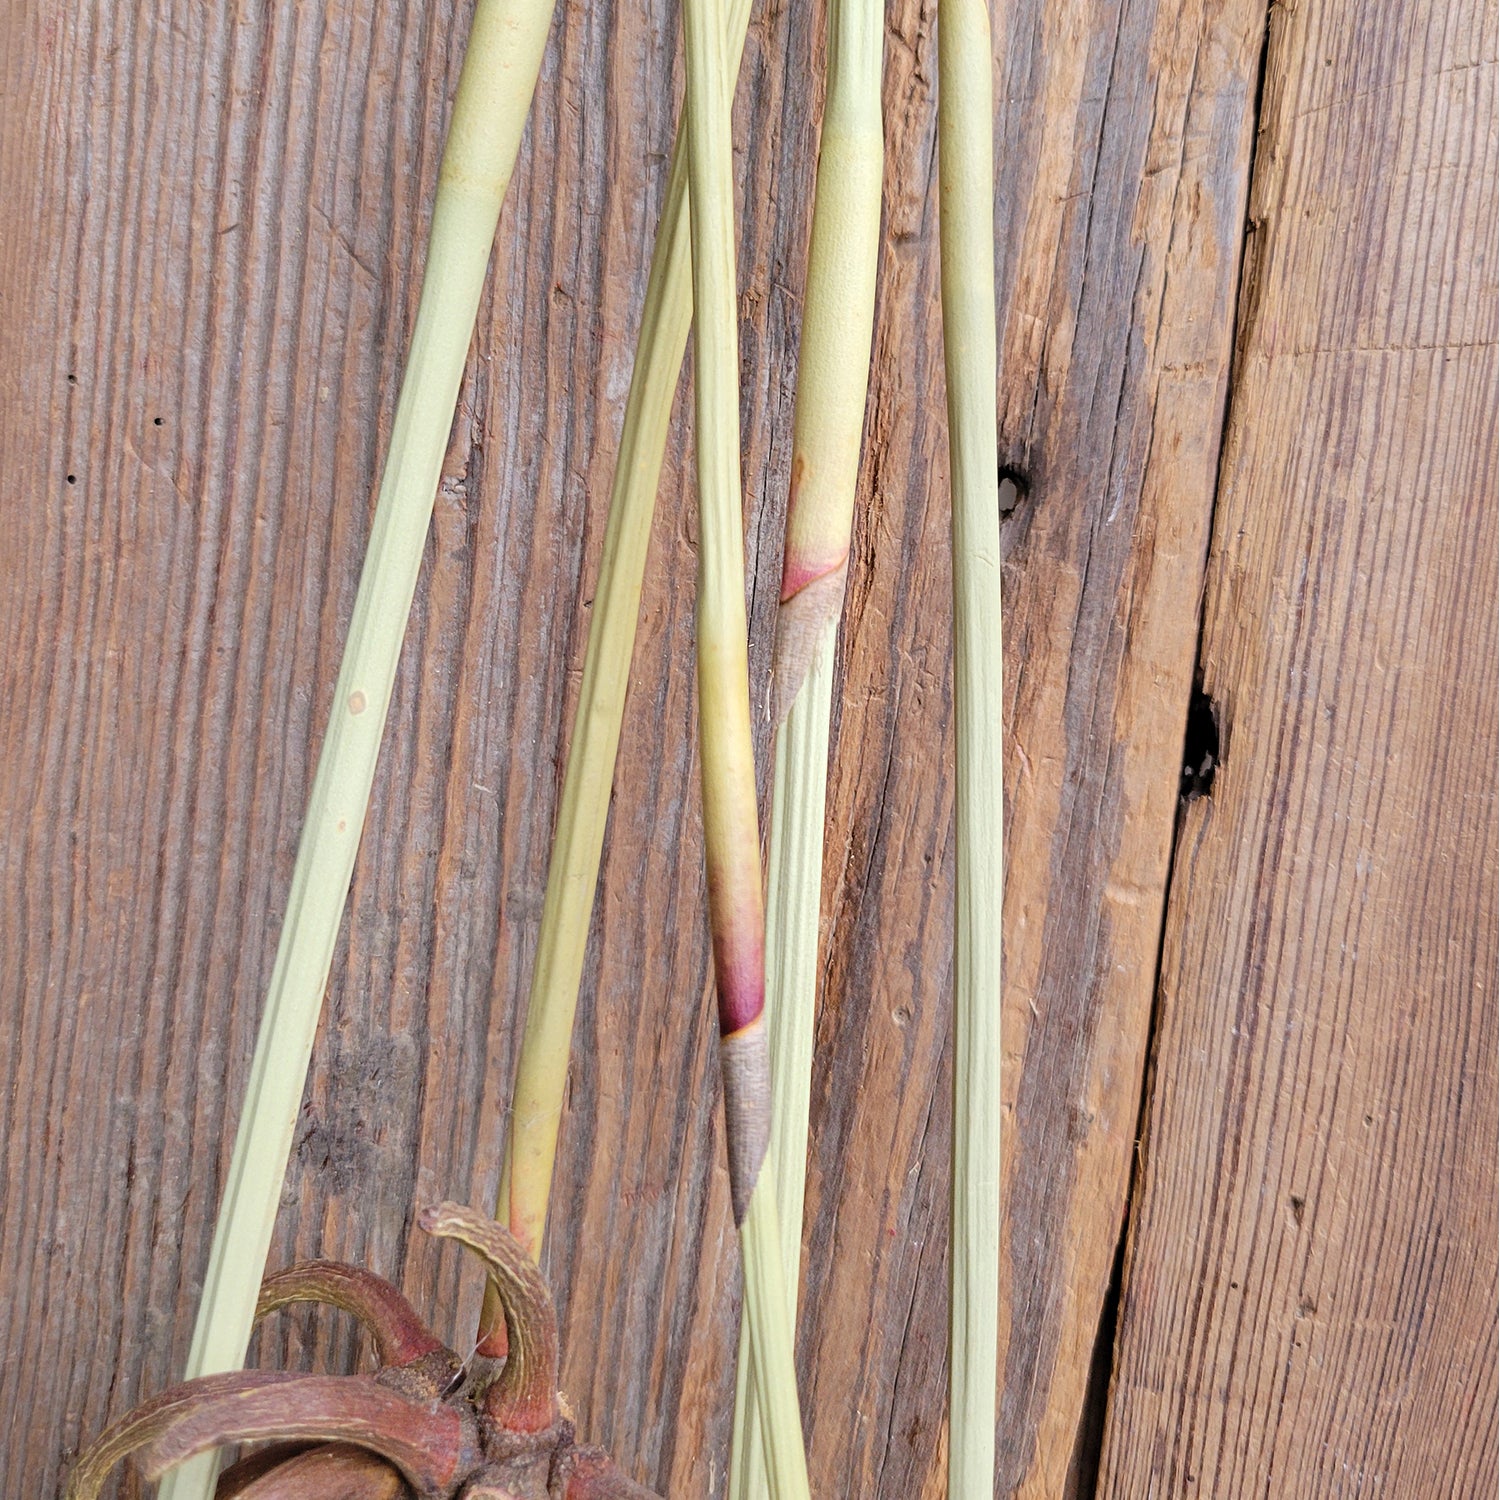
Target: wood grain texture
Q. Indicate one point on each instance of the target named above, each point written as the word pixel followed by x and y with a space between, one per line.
pixel 206 283
pixel 1124 276
pixel 1309 1305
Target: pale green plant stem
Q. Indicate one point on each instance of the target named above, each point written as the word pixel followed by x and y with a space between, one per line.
pixel 573 873
pixel 832 385
pixel 767 1304
pixel 731 835
pixel 499 74
pixel 966 230
pixel 795 880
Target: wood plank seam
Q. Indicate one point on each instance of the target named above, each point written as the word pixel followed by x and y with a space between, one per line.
pixel 1090 1450
pixel 1230 1414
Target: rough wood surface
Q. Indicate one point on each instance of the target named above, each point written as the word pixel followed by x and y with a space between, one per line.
pixel 206 276
pixel 1309 1305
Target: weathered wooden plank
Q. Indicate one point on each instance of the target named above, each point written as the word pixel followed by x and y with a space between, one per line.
pixel 1124 263
pixel 229 209
pixel 1310 1295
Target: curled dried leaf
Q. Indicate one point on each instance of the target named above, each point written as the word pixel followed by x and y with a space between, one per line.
pixel 149 1421
pixel 434 1447
pixel 524 1398
pixel 423 1428
pixel 401 1337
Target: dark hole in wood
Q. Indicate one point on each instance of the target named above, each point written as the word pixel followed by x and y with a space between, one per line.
pixel 1200 747
pixel 72 479
pixel 1014 488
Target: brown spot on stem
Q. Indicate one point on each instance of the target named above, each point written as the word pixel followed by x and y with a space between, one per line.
pixel 799 467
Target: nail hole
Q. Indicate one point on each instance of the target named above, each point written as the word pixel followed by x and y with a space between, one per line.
pixel 1014 488
pixel 72 380
pixel 156 422
pixel 72 479
pixel 1200 747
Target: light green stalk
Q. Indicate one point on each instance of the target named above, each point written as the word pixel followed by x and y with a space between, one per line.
pixel 573 874
pixel 767 1310
pixel 489 114
pixel 838 316
pixel 795 879
pixel 731 835
pixel 966 228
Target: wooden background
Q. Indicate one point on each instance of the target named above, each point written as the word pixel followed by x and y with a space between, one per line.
pixel 1247 268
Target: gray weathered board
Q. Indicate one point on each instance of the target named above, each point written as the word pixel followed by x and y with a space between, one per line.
pixel 1246 271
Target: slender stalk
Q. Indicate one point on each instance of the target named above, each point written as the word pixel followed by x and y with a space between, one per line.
pixel 795 877
pixel 541 1071
pixel 834 359
pixel 966 228
pixel 783 1457
pixel 731 833
pixel 832 385
pixel 489 114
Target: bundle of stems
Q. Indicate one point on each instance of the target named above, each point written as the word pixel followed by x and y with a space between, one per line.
pixel 490 106
pixel 731 831
pixel 833 367
pixel 578 840
pixel 490 109
pixel 967 250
